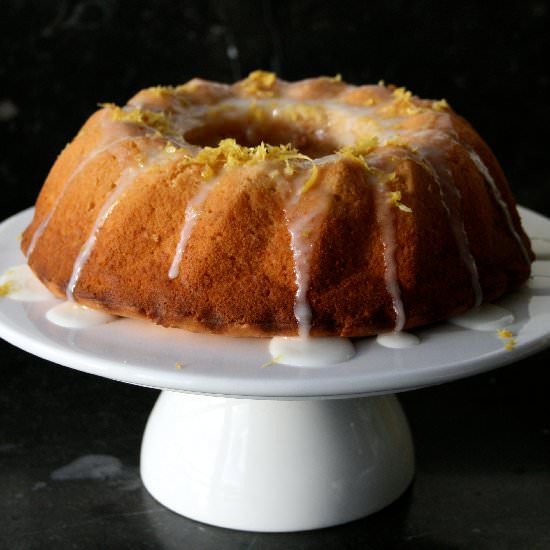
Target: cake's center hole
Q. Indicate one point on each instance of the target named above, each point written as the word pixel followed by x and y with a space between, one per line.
pixel 250 132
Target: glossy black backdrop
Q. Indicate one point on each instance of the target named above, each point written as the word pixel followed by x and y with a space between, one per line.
pixel 483 444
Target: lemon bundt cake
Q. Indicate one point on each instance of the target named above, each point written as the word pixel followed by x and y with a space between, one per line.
pixel 278 208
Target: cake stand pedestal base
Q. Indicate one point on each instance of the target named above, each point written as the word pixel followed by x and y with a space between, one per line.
pixel 274 465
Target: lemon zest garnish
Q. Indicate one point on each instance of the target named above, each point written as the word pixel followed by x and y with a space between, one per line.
pixel 357 152
pixel 348 152
pixel 398 142
pixel 412 110
pixel 207 172
pixel 508 337
pixel 273 361
pixel 158 121
pixel 389 177
pixel 230 153
pixel 404 207
pixel 402 104
pixel 178 365
pixel 366 144
pixel 161 91
pixel 259 83
pixel 394 198
pixel 7 288
pixel 312 178
pixel 440 105
pixel 510 344
pixel 402 93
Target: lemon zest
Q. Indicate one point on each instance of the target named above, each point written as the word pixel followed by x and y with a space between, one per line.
pixel 259 83
pixel 230 153
pixel 207 172
pixel 397 141
pixel 508 337
pixel 310 182
pixel 402 94
pixel 349 153
pixel 401 104
pixel 273 361
pixel 510 344
pixel 158 121
pixel 394 198
pixel 366 144
pixel 440 105
pixel 7 288
pixel 357 152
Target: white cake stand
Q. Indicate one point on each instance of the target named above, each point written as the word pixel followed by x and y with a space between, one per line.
pixel 236 444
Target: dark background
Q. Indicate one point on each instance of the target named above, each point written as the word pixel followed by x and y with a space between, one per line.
pixel 483 445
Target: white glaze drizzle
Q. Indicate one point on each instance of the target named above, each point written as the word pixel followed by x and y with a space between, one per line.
pixel 476 159
pixel 310 352
pixel 398 340
pixel 125 180
pixel 300 229
pixel 192 214
pixel 386 220
pixel 486 317
pixel 301 252
pixel 24 285
pixel 71 315
pixel 450 200
pixel 39 231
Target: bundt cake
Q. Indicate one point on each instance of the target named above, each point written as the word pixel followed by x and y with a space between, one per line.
pixel 269 207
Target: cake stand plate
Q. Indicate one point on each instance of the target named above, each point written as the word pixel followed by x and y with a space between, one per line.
pixel 238 442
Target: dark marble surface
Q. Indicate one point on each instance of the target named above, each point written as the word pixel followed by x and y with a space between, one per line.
pixel 483 444
pixel 482 481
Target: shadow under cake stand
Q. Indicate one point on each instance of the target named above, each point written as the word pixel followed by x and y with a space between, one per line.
pixel 235 443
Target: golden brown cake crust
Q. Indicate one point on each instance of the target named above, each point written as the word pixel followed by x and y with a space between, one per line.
pixel 391 199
